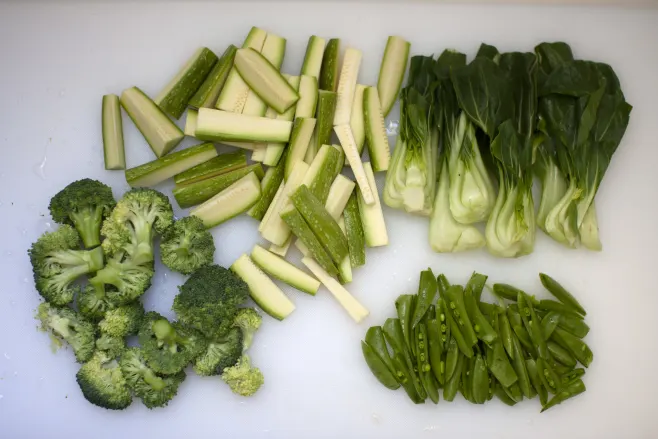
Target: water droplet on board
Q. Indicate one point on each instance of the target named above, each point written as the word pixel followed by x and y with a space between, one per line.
pixel 1 396
pixel 7 356
pixel 9 253
pixel 40 168
pixel 26 280
pixel 392 128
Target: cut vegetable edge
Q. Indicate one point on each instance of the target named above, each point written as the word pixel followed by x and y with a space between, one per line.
pixel 274 50
pixel 302 132
pixel 349 74
pixel 219 165
pixel 206 96
pixel 328 79
pixel 270 185
pixel 313 58
pixel 357 121
pixel 391 72
pixel 283 270
pixel 345 266
pixel 190 122
pixel 308 97
pixel 356 241
pixel 346 139
pixel 223 126
pixel 378 147
pixel 339 194
pixel 113 147
pixel 372 216
pixel 281 250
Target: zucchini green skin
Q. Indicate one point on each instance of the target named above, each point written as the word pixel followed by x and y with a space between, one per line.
pixel 329 72
pixel 113 148
pixel 308 97
pixel 200 191
pixel 229 203
pixel 301 230
pixel 269 185
pixel 206 96
pixel 313 58
pixel 356 240
pixel 378 147
pixel 283 270
pixel 325 228
pixel 221 164
pixel 174 97
pixel 302 132
pixel 221 126
pixel 357 119
pixel 322 172
pixel 325 116
pixel 391 72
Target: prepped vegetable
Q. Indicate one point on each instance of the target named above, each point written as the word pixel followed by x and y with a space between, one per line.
pixel 219 165
pixel 357 118
pixel 349 74
pixel 217 125
pixel 269 186
pixel 313 57
pixel 284 271
pixel 353 156
pixel 113 149
pixel 322 172
pixel 372 216
pixel 302 132
pixel 274 50
pixel 329 71
pixel 391 72
pixel 274 151
pixel 378 149
pixel 207 94
pixel 308 96
pixel 324 115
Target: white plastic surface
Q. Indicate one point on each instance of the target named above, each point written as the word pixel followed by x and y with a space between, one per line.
pixel 57 62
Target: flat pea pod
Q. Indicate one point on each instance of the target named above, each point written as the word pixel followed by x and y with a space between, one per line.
pixel 553 305
pixel 574 325
pixel 479 380
pixel 574 345
pixel 404 308
pixel 452 356
pixel 427 293
pixel 533 374
pixel 532 325
pixel 548 377
pixel 483 329
pixel 561 293
pixel 452 385
pixel 394 336
pixel 574 388
pixel 422 361
pixel 522 334
pixel 476 284
pixel 405 378
pixel 437 361
pixel 375 339
pixel 561 355
pixel 501 394
pixel 514 392
pixel 506 291
pixel 519 367
pixel 378 368
pixel 443 321
pixel 443 284
pixel 572 375
pixel 455 332
pixel 455 305
pixel 560 368
pixel 466 385
pixel 500 366
pixel 549 323
pixel 505 332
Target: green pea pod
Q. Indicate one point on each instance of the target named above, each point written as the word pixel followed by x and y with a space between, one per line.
pixel 404 307
pixel 375 339
pixel 437 362
pixel 561 293
pixel 499 365
pixel 424 367
pixel 505 331
pixel 451 358
pixel 561 355
pixel 405 378
pixel 549 323
pixel 553 305
pixel 502 395
pixel 443 284
pixel 523 336
pixel 378 368
pixel 481 325
pixel 574 388
pixel 574 325
pixel 395 337
pixel 514 392
pixel 476 284
pixel 549 378
pixel 489 309
pixel 452 385
pixel 574 345
pixel 479 381
pixel 455 332
pixel 520 369
pixel 533 374
pixel 466 385
pixel 427 294
pixel 532 325
pixel 506 291
pixel 444 324
pixel 572 375
pixel 455 305
pixel 560 368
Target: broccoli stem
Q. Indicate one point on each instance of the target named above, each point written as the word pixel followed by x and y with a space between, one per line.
pixel 90 260
pixel 88 224
pixel 142 251
pixel 153 380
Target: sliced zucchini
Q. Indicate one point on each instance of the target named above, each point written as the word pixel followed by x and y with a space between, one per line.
pixel 372 217
pixel 262 289
pixel 206 95
pixel 325 122
pixel 249 146
pixel 303 232
pixel 322 172
pixel 273 228
pixel 349 74
pixel 221 164
pixel 115 155
pixel 357 311
pixel 357 121
pixel 322 224
pixel 235 92
pixel 329 72
pixel 313 57
pixel 378 148
pixel 269 186
pixel 174 97
pixel 159 170
pixel 356 241
pixel 339 193
pixel 345 266
pixel 217 125
pixel 190 122
pixel 341 159
pixel 391 72
pixel 196 193
pixel 270 208
pixel 274 49
pixel 275 150
pixel 159 131
pixel 258 154
pixel 352 155
pixel 281 250
pixel 265 80
pixel 301 135
pixel 284 271
pixel 308 97
pixel 230 202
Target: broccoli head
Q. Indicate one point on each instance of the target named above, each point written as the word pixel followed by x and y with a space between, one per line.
pixel 248 320
pixel 153 390
pixel 102 382
pixel 220 354
pixel 169 347
pixel 243 378
pixel 122 321
pixel 69 326
pixel 209 299
pixel 112 345
pixel 83 204
pixel 138 216
pixel 187 246
pixel 57 262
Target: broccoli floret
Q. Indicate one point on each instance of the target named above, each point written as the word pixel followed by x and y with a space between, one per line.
pixel 93 303
pixel 209 299
pixel 57 262
pixel 123 321
pixel 83 204
pixel 154 390
pixel 220 354
pixel 103 384
pixel 187 246
pixel 69 326
pixel 137 217
pixel 112 345
pixel 169 347
pixel 242 378
pixel 248 320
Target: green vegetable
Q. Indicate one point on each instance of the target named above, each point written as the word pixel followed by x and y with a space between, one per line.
pixel 269 186
pixel 372 216
pixel 349 73
pixel 187 246
pixel 561 293
pixel 300 228
pixel 391 71
pixel 222 352
pixel 284 271
pixel 112 346
pixel 574 345
pixel 274 50
pixel 313 57
pixel 573 325
pixel 378 148
pixel 222 164
pixel 308 97
pixel 572 389
pixel 207 94
pixel 533 325
pixel 274 151
pixel 426 296
pixel 113 149
pixel 533 374
pixel 322 172
pixel 452 383
pixel 354 232
pixel 378 368
pixel 69 326
pixel 122 321
pixel 243 378
pixel 302 132
pixel 103 384
pixel 422 360
pixel 357 119
pixel 223 126
pixel 353 156
pixel 324 115
pixel 328 79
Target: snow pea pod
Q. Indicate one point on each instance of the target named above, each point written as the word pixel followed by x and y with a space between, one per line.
pixel 533 374
pixel 455 305
pixel 502 395
pixel 476 284
pixel 574 345
pixel 505 331
pixel 479 380
pixel 443 284
pixel 519 330
pixel 532 324
pixel 427 294
pixel 499 365
pixel 404 308
pixel 452 385
pixel 561 355
pixel 455 332
pixel 395 337
pixel 574 388
pixel 548 377
pixel 481 325
pixel 405 378
pixel 549 323
pixel 422 361
pixel 443 322
pixel 552 305
pixel 561 293
pixel 437 362
pixel 574 325
pixel 514 392
pixel 519 367
pixel 375 339
pixel 572 375
pixel 466 385
pixel 378 368
pixel 451 358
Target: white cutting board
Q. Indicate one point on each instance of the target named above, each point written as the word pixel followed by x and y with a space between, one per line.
pixel 58 60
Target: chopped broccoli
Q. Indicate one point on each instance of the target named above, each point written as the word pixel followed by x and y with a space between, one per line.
pixel 103 384
pixel 93 303
pixel 137 217
pixel 57 262
pixel 209 299
pixel 187 246
pixel 248 320
pixel 220 354
pixel 242 378
pixel 169 347
pixel 112 345
pixel 154 391
pixel 68 325
pixel 83 204
pixel 122 321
